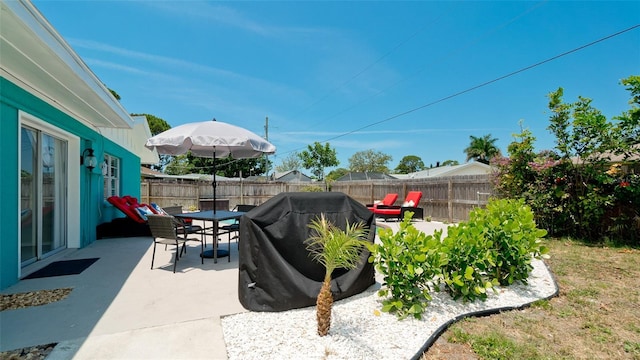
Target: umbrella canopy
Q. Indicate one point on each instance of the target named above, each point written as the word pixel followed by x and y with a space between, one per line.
pixel 211 139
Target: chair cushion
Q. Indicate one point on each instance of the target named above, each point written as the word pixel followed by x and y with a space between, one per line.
pixel 389 199
pixel 158 209
pixel 144 211
pixel 127 206
pixel 387 211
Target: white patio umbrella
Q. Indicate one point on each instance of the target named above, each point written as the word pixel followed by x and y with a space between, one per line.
pixel 211 139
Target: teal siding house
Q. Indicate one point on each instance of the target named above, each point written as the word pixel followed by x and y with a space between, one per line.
pixel 66 146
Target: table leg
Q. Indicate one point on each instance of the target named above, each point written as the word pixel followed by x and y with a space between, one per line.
pixel 215 241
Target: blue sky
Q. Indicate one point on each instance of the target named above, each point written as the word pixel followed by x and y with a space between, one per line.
pixel 360 75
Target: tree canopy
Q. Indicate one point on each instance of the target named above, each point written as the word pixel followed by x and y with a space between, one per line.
pixel 291 162
pixel 156 126
pixel 409 164
pixel 317 157
pixel 228 167
pixel 450 162
pixel 336 174
pixel 369 161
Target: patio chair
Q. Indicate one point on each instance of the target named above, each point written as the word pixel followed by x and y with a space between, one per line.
pixel 185 225
pixel 388 200
pixel 410 204
pixel 163 230
pixel 235 227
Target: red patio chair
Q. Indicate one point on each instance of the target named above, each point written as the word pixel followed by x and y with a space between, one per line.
pixel 411 203
pixel 388 200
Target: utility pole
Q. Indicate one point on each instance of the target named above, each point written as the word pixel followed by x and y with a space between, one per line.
pixel 266 137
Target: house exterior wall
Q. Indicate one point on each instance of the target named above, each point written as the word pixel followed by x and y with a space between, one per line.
pixel 85 206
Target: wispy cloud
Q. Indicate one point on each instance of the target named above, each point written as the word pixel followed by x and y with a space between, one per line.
pixel 161 60
pixel 120 67
pixel 387 132
pixel 203 74
pixel 225 15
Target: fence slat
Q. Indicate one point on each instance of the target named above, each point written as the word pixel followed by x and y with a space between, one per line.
pixel 445 199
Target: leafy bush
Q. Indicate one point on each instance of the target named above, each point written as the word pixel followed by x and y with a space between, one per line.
pixel 495 247
pixel 466 273
pixel 575 190
pixel 410 262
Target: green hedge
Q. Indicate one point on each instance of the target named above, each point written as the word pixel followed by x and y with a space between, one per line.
pixel 495 247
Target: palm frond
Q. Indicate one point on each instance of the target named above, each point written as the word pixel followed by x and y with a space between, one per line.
pixel 334 248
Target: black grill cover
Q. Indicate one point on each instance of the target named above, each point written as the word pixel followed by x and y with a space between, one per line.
pixel 277 272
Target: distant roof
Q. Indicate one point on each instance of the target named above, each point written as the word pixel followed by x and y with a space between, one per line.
pixel 291 176
pixel 611 157
pixel 470 168
pixel 351 176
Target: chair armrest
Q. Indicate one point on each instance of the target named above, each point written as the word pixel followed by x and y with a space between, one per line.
pixel 381 206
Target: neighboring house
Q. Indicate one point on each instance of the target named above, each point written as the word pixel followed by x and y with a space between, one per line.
pixel 470 168
pixel 628 165
pixel 67 144
pixel 291 176
pixel 147 173
pixel 355 176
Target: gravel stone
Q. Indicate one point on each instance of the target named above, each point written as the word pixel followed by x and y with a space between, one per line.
pixel 359 330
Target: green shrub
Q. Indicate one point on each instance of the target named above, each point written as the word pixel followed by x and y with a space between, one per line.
pixel 470 259
pixel 410 262
pixel 495 247
pixel 312 188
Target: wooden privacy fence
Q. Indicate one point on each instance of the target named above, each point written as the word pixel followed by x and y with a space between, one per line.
pixel 444 199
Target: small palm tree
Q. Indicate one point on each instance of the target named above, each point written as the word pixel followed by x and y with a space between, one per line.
pixel 334 249
pixel 482 149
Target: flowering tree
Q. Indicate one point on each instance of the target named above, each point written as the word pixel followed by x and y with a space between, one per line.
pixel 576 190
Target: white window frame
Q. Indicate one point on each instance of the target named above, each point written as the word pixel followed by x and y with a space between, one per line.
pixel 111 173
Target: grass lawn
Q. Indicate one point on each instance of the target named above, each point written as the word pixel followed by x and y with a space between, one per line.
pixel 595 316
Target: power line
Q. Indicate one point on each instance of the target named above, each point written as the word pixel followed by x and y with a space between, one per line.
pixel 486 82
pixel 366 68
pixel 450 54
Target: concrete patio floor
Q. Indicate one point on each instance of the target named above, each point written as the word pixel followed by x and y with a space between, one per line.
pixel 120 309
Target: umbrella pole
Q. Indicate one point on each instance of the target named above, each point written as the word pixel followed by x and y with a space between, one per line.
pixel 214 180
pixel 215 222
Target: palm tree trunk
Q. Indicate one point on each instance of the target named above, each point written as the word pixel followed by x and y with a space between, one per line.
pixel 323 307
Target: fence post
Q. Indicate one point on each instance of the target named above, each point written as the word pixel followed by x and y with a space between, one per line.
pixel 450 199
pixel 146 199
pixel 372 195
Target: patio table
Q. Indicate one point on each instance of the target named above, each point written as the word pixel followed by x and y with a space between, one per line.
pixel 215 218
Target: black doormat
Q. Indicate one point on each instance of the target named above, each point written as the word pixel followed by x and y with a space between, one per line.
pixel 61 268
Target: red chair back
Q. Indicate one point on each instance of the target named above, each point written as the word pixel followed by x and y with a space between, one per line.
pixel 389 199
pixel 413 196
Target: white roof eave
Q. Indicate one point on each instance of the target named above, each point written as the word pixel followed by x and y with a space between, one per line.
pixel 39 60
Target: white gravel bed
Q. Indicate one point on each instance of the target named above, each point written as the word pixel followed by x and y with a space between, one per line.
pixel 359 330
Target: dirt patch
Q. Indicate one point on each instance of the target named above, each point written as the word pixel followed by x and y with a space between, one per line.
pixel 24 300
pixel 30 353
pixel 32 298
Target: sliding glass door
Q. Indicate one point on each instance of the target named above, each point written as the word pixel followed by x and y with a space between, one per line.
pixel 43 197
